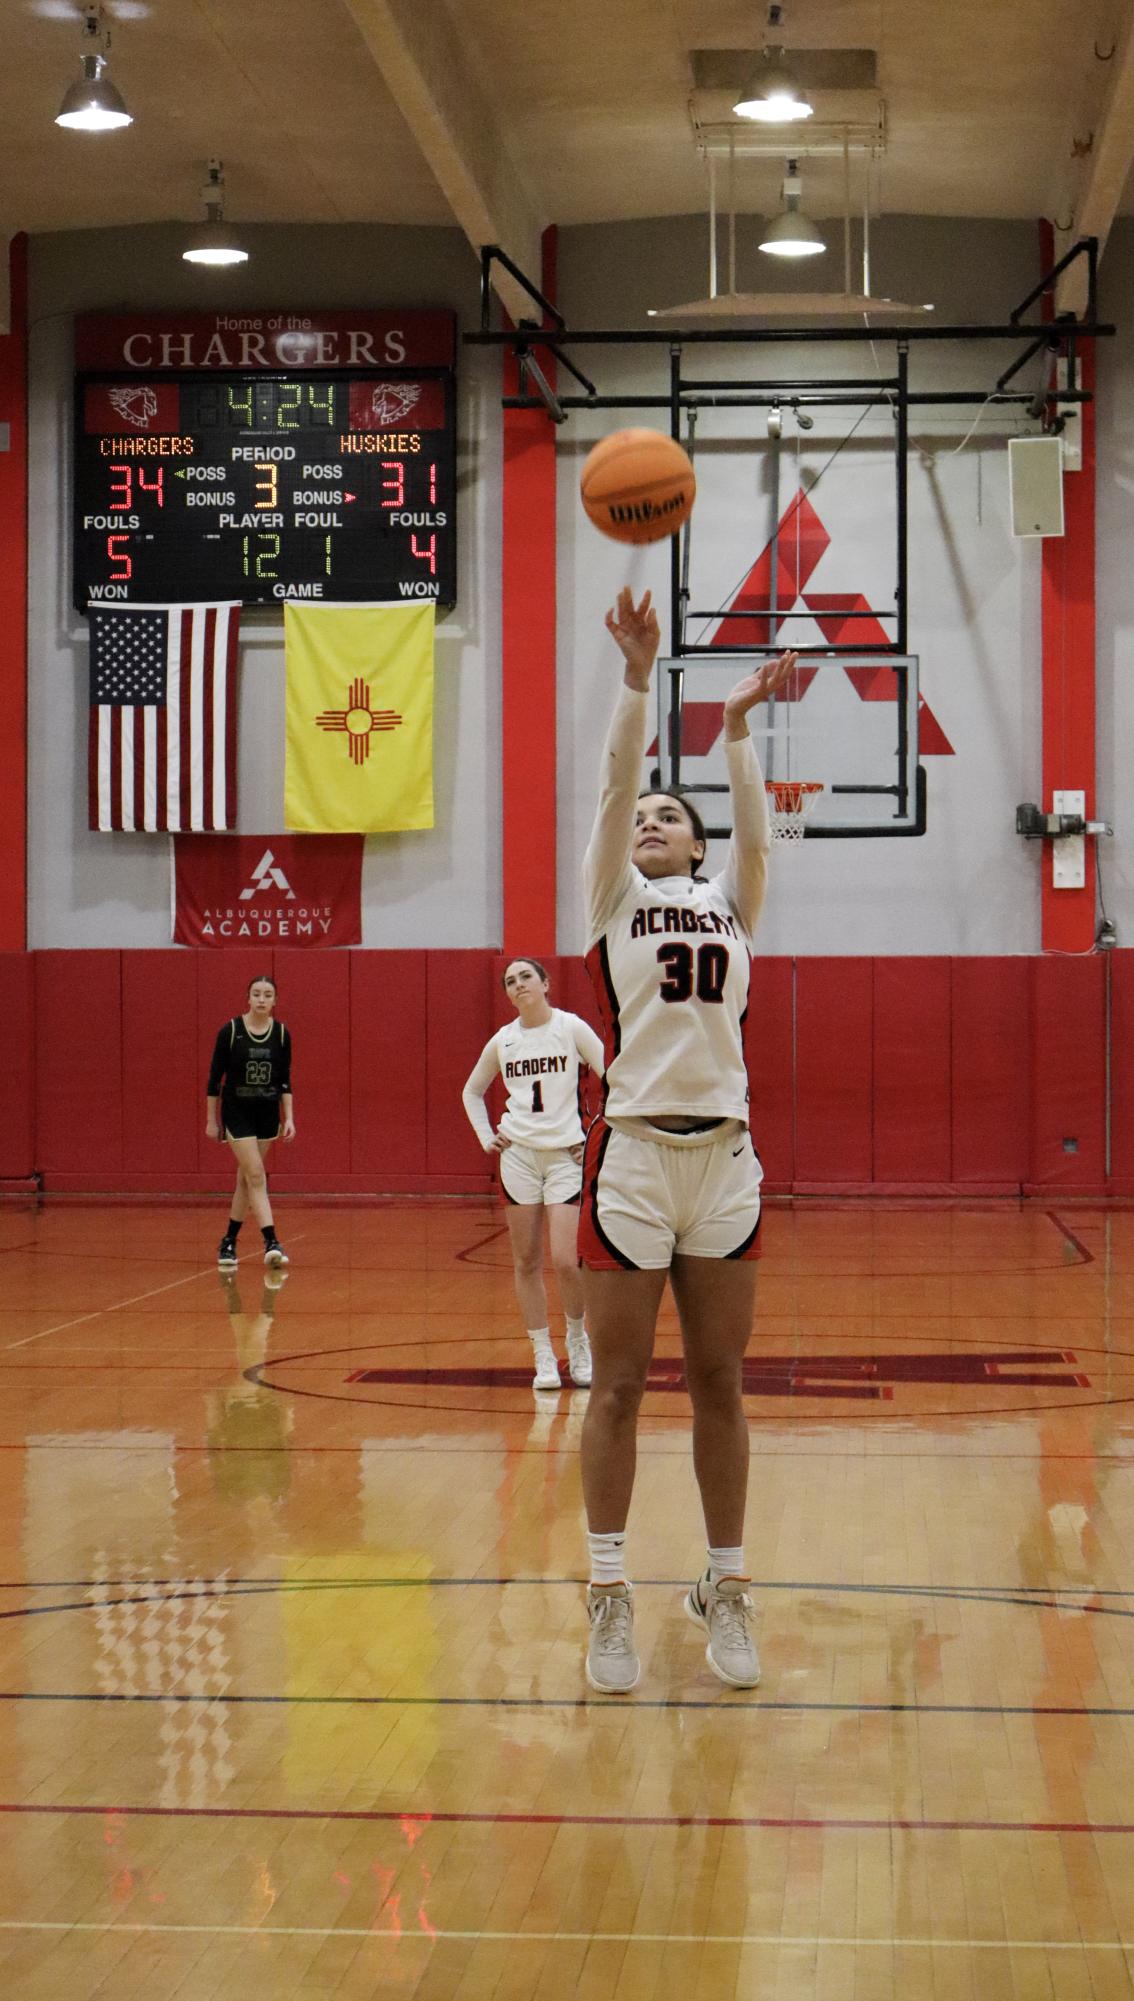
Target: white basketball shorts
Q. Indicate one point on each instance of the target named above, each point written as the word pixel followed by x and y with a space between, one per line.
pixel 645 1202
pixel 539 1174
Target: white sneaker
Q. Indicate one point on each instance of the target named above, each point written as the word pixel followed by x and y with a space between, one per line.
pixel 579 1360
pixel 613 1666
pixel 547 1375
pixel 724 1610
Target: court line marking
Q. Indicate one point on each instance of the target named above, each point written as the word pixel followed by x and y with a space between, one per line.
pixel 423 1817
pixel 431 1933
pixel 220 1699
pixel 1027 1597
pixel 118 1305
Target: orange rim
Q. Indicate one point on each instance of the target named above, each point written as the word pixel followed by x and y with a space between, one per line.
pixel 788 795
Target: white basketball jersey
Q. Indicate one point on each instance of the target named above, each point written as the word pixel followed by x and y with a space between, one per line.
pixel 540 1068
pixel 670 970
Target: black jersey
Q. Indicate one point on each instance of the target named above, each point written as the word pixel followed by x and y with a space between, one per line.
pixel 251 1066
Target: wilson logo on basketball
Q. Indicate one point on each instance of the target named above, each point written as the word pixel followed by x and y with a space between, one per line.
pixel 647 510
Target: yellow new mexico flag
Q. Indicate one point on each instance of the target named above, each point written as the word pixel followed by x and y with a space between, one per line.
pixel 359 718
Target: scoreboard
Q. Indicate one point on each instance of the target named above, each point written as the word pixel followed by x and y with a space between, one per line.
pixel 263 483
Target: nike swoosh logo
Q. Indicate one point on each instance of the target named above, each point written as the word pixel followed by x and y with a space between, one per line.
pixel 737 1151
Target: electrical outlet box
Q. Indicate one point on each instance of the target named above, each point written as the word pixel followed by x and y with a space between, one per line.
pixel 1069 851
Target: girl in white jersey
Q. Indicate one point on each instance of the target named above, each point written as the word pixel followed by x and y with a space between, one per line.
pixel 540 1143
pixel 671 1183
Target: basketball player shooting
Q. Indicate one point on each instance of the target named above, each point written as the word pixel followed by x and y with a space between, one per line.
pixel 671 1181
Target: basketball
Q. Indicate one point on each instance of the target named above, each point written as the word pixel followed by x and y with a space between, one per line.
pixel 638 486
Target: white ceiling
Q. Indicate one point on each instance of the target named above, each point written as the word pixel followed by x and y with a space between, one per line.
pixel 508 114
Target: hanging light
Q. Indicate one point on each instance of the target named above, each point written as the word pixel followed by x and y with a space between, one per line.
pixel 213 241
pixel 773 97
pixel 93 104
pixel 792 234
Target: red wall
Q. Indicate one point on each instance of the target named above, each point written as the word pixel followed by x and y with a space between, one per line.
pixel 979 1076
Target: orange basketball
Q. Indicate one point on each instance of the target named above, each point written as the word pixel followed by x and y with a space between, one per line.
pixel 638 486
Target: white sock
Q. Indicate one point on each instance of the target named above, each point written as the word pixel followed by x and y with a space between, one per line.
pixel 726 1563
pixel 576 1327
pixel 607 1552
pixel 540 1337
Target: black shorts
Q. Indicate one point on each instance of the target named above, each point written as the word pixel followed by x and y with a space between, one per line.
pixel 251 1118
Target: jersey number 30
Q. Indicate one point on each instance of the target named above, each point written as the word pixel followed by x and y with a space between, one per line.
pixel 681 980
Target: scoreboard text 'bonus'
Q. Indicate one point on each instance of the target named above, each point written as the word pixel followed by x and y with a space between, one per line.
pixel 265 456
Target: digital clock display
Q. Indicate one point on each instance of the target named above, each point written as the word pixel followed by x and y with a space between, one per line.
pixel 265 487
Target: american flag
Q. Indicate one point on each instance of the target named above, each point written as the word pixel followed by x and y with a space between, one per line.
pixel 162 748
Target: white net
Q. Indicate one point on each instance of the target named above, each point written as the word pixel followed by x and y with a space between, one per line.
pixel 790 800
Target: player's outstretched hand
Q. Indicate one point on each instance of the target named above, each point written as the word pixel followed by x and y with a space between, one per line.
pixel 635 631
pixel 766 680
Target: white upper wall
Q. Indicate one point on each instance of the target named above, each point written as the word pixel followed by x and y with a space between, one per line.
pixel 969 886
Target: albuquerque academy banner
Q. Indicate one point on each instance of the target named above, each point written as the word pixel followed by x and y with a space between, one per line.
pixel 274 889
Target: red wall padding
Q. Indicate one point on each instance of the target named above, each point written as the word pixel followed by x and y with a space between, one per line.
pixel 17 1011
pixel 389 1086
pixel 990 1037
pixel 969 1074
pixel 912 1072
pixel 163 1105
pixel 314 1001
pixel 459 1018
pixel 1068 1082
pixel 768 1039
pixel 79 1075
pixel 834 1072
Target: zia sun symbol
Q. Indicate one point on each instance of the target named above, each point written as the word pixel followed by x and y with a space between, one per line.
pixel 359 720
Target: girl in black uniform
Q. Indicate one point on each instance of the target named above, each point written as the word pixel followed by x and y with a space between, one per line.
pixel 252 1059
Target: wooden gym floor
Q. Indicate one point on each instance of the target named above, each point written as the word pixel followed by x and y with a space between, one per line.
pixel 291 1629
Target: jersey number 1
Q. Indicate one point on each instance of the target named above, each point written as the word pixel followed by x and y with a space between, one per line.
pixel 537 1097
pixel 711 972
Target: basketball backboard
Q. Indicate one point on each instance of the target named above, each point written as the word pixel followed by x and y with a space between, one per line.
pixel 848 722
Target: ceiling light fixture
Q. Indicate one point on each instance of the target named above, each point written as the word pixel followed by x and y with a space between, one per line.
pixel 93 104
pixel 214 242
pixel 773 97
pixel 792 234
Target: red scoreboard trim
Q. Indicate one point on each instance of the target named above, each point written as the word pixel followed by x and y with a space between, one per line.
pixel 416 338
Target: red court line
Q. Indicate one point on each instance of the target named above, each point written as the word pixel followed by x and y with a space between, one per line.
pixel 424 1816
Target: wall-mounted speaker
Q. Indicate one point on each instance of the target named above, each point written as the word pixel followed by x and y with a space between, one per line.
pixel 1035 477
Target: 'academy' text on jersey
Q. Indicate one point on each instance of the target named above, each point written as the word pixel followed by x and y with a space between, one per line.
pixel 534 1066
pixel 670 973
pixel 657 918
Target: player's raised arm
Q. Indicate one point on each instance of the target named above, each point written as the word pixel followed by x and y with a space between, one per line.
pixel 606 864
pixel 744 878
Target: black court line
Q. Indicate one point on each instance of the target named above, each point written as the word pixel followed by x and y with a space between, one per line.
pixel 1024 1597
pixel 224 1583
pixel 723 1701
